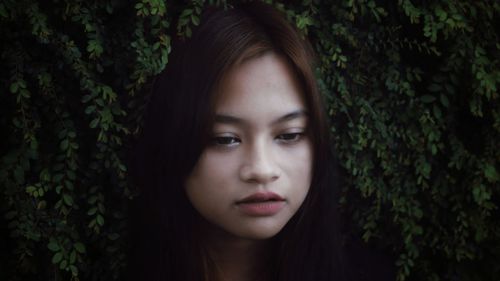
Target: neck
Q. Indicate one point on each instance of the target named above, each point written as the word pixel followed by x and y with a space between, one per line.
pixel 236 258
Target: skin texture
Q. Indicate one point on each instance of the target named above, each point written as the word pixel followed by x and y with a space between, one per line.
pixel 260 143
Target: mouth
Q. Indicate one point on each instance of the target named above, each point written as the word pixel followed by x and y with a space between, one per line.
pixel 261 204
pixel 261 197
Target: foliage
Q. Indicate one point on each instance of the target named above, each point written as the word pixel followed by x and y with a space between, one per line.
pixel 411 88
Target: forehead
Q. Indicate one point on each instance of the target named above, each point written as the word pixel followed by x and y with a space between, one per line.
pixel 261 85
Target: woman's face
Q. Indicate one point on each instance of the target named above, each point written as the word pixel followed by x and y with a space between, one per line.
pixel 256 172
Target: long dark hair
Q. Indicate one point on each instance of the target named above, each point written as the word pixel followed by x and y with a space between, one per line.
pixel 178 120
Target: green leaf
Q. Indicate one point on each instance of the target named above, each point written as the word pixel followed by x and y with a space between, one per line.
pixel 481 194
pixel 64 145
pixel 100 220
pixel 58 177
pixel 86 98
pixel 92 211
pixel 30 189
pixel 427 98
pixel 444 100
pixel 19 175
pixel 14 87
pixel 94 123
pixel 80 247
pixel 108 93
pixel 90 109
pixel 195 20
pixel 418 213
pixel 71 175
pixel 113 236
pixel 57 258
pixel 491 173
pixel 72 257
pixel 3 12
pixel 74 270
pixel 53 246
pixel 68 199
pixel 418 230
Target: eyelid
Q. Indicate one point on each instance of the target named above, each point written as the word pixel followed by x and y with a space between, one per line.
pixel 297 134
pixel 219 140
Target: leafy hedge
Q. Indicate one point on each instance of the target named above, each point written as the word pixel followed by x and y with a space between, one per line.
pixel 412 89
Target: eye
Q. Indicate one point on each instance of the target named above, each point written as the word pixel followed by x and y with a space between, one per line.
pixel 227 141
pixel 290 137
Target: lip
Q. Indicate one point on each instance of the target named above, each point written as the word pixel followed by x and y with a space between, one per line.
pixel 261 204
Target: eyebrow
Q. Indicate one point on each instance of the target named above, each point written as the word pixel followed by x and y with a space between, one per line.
pixel 229 119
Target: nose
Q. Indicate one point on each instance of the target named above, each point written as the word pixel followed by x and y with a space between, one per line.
pixel 259 165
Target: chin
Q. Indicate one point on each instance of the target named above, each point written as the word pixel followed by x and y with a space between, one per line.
pixel 259 232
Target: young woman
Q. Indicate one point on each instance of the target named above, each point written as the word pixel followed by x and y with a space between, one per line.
pixel 234 165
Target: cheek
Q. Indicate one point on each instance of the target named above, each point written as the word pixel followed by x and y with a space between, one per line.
pixel 209 180
pixel 213 167
pixel 299 163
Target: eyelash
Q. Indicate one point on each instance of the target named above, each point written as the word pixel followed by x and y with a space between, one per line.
pixel 230 141
pixel 225 141
pixel 291 137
